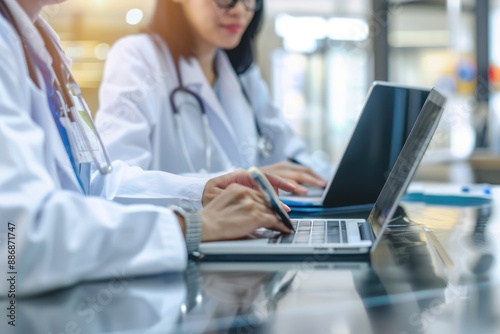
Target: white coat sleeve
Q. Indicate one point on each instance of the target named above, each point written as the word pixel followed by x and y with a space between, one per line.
pixel 62 237
pixel 130 94
pixel 133 185
pixel 287 144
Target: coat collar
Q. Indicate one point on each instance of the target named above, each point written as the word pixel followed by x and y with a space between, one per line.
pixel 231 93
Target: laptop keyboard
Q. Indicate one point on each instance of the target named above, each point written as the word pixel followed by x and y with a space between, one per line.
pixel 314 232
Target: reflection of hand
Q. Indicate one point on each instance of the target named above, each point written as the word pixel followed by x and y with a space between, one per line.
pixel 237 212
pixel 234 287
pixel 295 174
pixel 216 185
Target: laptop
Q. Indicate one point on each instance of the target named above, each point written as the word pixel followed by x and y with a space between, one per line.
pixel 388 115
pixel 341 236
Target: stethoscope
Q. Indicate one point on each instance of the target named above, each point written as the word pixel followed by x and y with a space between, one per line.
pixel 264 145
pixel 65 88
pixel 177 119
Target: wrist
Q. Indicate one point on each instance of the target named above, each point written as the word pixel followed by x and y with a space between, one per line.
pixel 191 226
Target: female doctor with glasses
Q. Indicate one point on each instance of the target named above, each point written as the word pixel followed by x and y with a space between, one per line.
pixel 57 223
pixel 186 97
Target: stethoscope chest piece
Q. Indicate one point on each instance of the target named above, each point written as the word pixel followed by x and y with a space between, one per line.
pixel 264 146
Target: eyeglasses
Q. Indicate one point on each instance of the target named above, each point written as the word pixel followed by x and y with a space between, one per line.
pixel 250 5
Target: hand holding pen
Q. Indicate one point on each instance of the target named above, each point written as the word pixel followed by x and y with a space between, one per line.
pixel 271 196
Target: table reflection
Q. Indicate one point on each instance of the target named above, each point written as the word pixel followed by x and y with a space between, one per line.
pixel 132 305
pixel 384 296
pixel 430 274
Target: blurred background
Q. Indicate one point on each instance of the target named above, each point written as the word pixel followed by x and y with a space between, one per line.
pixel 320 57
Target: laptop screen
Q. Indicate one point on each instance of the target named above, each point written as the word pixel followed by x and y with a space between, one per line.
pixel 407 163
pixel 388 115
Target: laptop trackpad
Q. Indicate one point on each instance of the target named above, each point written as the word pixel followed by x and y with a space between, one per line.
pixel 315 191
pixel 311 192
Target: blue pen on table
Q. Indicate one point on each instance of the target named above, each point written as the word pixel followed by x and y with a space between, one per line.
pixel 481 189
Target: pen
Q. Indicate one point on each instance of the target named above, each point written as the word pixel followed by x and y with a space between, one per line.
pixel 293 160
pixel 282 290
pixel 283 216
pixel 270 195
pixel 483 189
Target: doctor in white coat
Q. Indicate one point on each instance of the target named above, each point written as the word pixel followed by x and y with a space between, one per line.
pixel 57 223
pixel 198 49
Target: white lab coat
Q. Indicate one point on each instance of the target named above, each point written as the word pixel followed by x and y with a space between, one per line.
pixel 137 122
pixel 62 236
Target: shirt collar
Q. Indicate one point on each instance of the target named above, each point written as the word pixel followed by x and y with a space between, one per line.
pixel 192 74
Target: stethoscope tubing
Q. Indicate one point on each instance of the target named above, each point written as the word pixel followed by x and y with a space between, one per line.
pixel 178 125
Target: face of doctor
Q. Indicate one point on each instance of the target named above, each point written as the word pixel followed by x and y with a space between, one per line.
pixel 52 2
pixel 216 27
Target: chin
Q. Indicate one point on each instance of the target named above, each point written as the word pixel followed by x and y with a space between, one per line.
pixel 53 2
pixel 230 46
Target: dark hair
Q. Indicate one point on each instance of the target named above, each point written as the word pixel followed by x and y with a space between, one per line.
pixel 170 23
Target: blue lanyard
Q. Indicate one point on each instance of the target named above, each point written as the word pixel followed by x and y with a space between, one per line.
pixel 55 107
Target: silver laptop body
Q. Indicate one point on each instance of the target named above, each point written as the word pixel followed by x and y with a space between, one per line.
pixel 346 236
